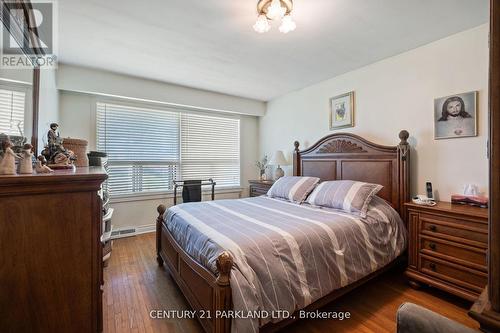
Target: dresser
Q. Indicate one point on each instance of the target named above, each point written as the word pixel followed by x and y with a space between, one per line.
pixel 259 187
pixel 447 248
pixel 50 252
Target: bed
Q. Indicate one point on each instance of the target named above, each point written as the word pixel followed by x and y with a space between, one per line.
pixel 222 254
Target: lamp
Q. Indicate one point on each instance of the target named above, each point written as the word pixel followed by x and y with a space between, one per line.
pixel 278 159
pixel 274 10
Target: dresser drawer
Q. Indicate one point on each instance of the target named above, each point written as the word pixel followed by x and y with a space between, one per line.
pixel 453 273
pixel 463 254
pixel 451 228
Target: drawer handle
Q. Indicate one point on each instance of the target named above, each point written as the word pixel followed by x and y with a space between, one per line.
pixel 432 246
pixel 432 228
pixel 432 266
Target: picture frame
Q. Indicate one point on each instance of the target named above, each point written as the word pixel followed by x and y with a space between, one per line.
pixel 455 116
pixel 342 111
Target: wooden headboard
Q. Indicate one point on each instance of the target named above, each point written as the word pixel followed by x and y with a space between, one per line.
pixel 344 156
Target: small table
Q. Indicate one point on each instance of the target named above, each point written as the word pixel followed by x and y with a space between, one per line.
pixel 447 248
pixel 259 187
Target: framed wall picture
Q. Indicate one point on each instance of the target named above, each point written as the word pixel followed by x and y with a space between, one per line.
pixel 342 111
pixel 455 116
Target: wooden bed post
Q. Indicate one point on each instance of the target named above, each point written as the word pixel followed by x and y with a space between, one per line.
pixel 223 295
pixel 224 264
pixel 404 175
pixel 296 159
pixel 159 220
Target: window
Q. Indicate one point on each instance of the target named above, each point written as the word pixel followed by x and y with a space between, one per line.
pixel 142 147
pixel 210 148
pixel 149 148
pixel 12 105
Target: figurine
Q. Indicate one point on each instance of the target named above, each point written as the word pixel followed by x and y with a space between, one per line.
pixel 53 135
pixel 26 163
pixel 8 162
pixel 17 140
pixel 40 166
pixel 54 152
pixel 61 159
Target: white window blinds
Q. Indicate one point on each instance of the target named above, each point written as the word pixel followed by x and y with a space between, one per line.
pixel 210 148
pixel 142 146
pixel 12 104
pixel 148 148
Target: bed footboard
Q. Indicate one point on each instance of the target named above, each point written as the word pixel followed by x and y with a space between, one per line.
pixel 206 293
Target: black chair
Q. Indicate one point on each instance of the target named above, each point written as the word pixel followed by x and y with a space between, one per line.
pixel 191 189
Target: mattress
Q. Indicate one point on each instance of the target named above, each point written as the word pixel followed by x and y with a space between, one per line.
pixel 285 255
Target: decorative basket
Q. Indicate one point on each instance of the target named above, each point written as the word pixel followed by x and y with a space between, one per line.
pixel 79 147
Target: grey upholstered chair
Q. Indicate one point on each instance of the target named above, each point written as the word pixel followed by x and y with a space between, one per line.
pixel 413 318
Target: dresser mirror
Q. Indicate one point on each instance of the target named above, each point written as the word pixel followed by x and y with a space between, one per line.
pixel 19 75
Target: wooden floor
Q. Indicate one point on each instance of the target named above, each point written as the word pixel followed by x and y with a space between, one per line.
pixel 135 285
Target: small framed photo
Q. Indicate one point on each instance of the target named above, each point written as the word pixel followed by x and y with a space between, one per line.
pixel 342 111
pixel 455 116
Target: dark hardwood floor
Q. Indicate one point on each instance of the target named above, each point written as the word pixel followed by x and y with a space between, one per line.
pixel 135 285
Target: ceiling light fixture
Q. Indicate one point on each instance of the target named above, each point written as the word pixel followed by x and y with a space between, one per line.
pixel 262 25
pixel 274 10
pixel 287 24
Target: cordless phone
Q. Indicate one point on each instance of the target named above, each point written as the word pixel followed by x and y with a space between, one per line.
pixel 428 188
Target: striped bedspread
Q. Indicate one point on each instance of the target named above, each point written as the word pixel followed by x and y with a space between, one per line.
pixel 286 255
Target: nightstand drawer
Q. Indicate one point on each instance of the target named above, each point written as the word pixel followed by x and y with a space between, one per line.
pixel 439 226
pixel 453 273
pixel 466 255
pixel 256 191
pixel 259 187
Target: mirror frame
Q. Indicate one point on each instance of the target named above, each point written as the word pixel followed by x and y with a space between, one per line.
pixel 24 31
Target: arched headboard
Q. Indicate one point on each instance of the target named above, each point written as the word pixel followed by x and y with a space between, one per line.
pixel 344 156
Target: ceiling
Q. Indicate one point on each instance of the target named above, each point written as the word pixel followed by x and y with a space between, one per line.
pixel 210 44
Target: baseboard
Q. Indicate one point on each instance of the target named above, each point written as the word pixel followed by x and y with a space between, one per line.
pixel 122 232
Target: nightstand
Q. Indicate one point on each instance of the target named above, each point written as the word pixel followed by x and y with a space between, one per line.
pixel 259 187
pixel 447 247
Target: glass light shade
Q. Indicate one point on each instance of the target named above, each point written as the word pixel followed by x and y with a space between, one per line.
pixel 287 24
pixel 262 25
pixel 275 11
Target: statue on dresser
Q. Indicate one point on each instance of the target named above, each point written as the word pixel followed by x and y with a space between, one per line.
pixel 17 140
pixel 26 163
pixel 40 165
pixel 57 156
pixel 8 161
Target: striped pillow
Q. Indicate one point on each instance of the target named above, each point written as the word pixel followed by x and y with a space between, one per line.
pixel 349 195
pixel 294 189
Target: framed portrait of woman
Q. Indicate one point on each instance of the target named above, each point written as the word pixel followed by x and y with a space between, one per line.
pixel 342 111
pixel 455 116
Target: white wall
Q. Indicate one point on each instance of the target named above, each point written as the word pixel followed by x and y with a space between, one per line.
pixel 81 79
pixel 17 75
pixel 393 94
pixel 48 111
pixel 77 111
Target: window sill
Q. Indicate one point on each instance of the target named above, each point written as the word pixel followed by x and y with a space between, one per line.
pixel 167 195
